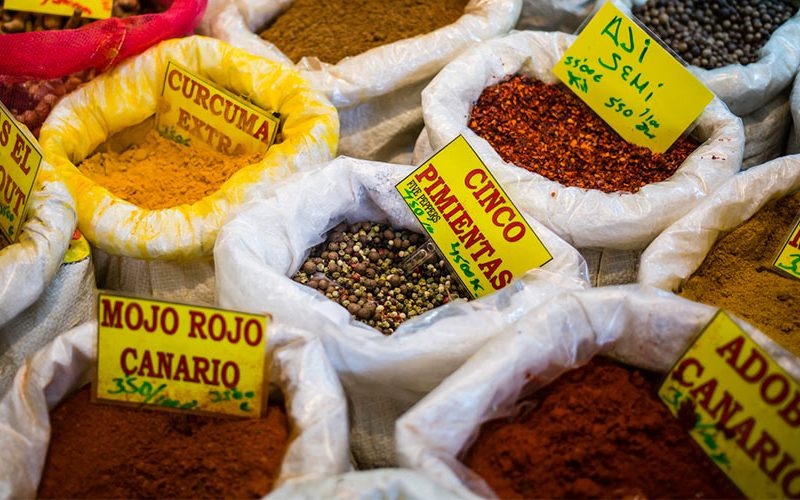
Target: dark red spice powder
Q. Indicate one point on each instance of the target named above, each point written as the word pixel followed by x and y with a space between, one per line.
pixel 548 130
pixel 103 451
pixel 598 431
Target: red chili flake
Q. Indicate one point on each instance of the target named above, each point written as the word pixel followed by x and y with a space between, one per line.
pixel 548 130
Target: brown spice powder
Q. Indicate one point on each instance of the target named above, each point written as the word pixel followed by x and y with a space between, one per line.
pixel 735 275
pixel 548 130
pixel 335 29
pixel 103 451
pixel 598 431
pixel 160 173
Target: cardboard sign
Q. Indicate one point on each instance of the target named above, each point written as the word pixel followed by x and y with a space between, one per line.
pixel 742 407
pixel 180 357
pixel 788 260
pixel 93 9
pixel 20 159
pixel 631 82
pixel 193 109
pixel 471 219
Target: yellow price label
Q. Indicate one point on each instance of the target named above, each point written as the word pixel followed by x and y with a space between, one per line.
pixel 743 409
pixel 192 108
pixel 20 159
pixel 631 82
pixel 472 220
pixel 94 9
pixel 180 357
pixel 788 260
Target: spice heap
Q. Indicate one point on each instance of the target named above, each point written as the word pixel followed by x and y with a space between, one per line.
pixel 308 26
pixel 159 173
pixel 715 33
pixel 735 275
pixel 598 431
pixel 548 130
pixel 359 267
pixel 103 451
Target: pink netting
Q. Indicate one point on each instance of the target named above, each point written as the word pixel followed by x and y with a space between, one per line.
pixel 42 55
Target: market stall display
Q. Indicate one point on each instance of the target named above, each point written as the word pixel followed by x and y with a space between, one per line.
pixel 583 217
pixel 163 246
pixel 511 379
pixel 315 411
pixel 721 251
pixel 376 91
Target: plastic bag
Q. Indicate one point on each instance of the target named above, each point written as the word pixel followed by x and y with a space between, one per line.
pixel 585 218
pixel 554 15
pixel 639 326
pixel 382 483
pixel 677 253
pixel 315 406
pixel 793 146
pixel 128 96
pixel 377 92
pixel 267 241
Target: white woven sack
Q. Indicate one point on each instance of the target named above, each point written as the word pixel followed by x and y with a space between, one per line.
pixel 640 326
pixel 315 406
pixel 585 218
pixel 365 485
pixel 376 92
pixel 677 253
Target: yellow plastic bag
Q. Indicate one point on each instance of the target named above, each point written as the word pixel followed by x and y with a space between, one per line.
pixel 129 95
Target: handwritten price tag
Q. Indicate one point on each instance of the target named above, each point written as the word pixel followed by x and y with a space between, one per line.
pixel 631 82
pixel 471 220
pixel 94 9
pixel 194 108
pixel 788 260
pixel 742 407
pixel 180 357
pixel 20 159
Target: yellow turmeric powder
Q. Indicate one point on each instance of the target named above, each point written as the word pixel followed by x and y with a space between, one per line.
pixel 159 173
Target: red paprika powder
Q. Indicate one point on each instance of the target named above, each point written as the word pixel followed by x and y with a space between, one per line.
pixel 105 451
pixel 548 130
pixel 598 431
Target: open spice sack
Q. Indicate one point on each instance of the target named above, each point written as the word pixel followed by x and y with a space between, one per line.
pixel 721 252
pixel 620 203
pixel 34 77
pixel 325 253
pixel 385 53
pixel 303 436
pixel 142 196
pixel 515 421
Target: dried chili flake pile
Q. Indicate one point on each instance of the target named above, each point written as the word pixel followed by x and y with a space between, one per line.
pixel 548 130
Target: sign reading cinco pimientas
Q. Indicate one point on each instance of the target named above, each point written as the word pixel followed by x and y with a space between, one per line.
pixel 94 9
pixel 471 219
pixel 180 357
pixel 743 409
pixel 194 109
pixel 631 82
pixel 20 159
pixel 788 260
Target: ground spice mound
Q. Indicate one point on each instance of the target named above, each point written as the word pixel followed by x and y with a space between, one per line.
pixel 735 275
pixel 335 29
pixel 103 451
pixel 359 266
pixel 598 431
pixel 159 173
pixel 548 130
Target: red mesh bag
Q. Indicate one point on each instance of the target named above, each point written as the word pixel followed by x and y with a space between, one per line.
pixel 37 68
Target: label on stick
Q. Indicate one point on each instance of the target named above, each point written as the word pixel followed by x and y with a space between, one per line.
pixel 20 159
pixel 471 220
pixel 180 357
pixel 631 82
pixel 787 262
pixel 743 409
pixel 194 109
pixel 93 9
